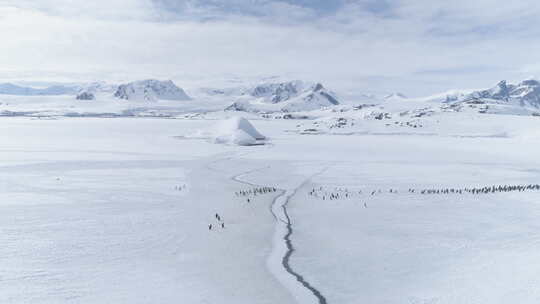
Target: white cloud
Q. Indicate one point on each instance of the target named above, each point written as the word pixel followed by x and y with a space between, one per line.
pixel 97 9
pixel 412 46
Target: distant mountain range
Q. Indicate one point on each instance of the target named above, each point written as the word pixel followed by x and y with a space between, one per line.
pixel 13 89
pixel 144 90
pixel 282 96
pixel 525 93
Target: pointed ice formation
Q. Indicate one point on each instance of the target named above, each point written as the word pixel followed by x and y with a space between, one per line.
pixel 237 131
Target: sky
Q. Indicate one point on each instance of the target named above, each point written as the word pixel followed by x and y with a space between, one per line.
pixel 417 47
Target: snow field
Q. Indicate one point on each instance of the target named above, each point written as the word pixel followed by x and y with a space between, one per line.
pixel 91 212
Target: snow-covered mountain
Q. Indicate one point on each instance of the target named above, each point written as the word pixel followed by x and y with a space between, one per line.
pixel 13 89
pixel 277 92
pixel 291 96
pixel 504 98
pixel 275 97
pixel 150 90
pixel 96 90
pixel 525 93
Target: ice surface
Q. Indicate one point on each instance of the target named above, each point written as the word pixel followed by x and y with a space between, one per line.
pixel 99 210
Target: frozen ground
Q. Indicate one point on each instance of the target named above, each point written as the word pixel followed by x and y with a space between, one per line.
pixel 96 210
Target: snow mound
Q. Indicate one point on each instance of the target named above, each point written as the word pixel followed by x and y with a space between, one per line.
pixel 236 137
pixel 150 90
pixel 233 131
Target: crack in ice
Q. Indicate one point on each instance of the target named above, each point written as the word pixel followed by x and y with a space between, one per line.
pixel 284 222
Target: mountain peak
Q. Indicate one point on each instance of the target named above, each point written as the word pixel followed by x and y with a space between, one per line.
pixel 277 92
pixel 318 87
pixel 525 93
